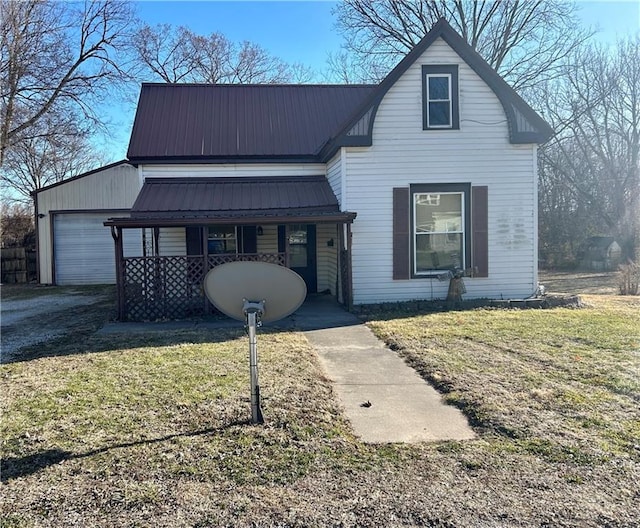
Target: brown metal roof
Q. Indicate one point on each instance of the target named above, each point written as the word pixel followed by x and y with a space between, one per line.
pixel 203 122
pixel 178 201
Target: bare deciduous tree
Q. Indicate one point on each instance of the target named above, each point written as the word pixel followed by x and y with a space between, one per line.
pixel 174 55
pixel 165 52
pixel 590 171
pixel 16 225
pixel 524 40
pixel 57 54
pixel 58 149
pixel 345 68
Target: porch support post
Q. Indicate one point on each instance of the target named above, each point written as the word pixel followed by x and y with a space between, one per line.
pixel 205 265
pixel 343 265
pixel 116 233
pixel 349 273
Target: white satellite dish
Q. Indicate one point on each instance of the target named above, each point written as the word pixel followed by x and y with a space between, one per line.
pixel 229 284
pixel 254 292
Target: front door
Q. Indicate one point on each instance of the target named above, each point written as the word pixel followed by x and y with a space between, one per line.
pixel 301 241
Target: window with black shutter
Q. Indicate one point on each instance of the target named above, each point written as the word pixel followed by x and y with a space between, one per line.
pixel 439 227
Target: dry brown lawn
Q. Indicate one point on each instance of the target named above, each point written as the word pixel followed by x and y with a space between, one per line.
pixel 580 283
pixel 121 431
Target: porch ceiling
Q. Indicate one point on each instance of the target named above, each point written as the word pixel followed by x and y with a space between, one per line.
pixel 181 201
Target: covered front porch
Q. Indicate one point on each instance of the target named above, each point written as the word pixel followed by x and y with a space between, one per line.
pixel 179 246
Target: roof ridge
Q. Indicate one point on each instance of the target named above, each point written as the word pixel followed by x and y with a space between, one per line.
pixel 260 85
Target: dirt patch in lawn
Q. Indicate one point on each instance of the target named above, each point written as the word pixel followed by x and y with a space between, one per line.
pixel 31 316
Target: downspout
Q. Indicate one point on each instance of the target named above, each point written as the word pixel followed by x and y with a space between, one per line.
pixel 536 248
pixel 52 248
pixel 156 241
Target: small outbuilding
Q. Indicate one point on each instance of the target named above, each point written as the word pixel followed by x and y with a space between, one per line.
pixel 600 253
pixel 73 245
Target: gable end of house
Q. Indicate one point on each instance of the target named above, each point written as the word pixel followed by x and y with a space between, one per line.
pixel 524 124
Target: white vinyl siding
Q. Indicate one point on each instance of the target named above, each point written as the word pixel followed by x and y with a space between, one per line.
pixel 260 170
pixel 84 249
pixel 268 241
pixel 327 257
pixel 172 241
pixel 110 191
pixel 478 153
pixel 334 175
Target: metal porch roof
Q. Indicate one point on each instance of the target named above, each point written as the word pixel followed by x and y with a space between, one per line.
pixel 179 201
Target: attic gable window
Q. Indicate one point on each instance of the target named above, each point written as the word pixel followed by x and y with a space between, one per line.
pixel 440 97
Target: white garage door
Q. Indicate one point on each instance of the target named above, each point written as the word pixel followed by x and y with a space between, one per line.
pixel 84 249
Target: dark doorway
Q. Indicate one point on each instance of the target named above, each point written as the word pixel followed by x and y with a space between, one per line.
pixel 301 240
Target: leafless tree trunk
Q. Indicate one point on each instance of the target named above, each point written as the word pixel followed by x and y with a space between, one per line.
pixel 57 55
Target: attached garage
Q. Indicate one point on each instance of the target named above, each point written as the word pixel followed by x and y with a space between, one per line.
pixel 83 248
pixel 74 246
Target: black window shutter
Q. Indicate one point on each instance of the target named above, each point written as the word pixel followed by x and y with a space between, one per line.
pixel 282 240
pixel 480 231
pixel 401 234
pixel 249 239
pixel 194 241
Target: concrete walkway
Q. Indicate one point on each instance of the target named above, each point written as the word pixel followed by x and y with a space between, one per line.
pixel 385 400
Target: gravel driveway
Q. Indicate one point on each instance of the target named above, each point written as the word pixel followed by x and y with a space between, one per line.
pixel 27 322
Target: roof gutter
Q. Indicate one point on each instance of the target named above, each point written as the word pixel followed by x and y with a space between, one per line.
pixel 335 218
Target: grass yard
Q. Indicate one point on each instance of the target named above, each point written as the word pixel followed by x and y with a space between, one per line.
pixel 13 292
pixel 152 430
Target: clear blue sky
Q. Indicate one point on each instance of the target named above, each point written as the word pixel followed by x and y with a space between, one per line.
pixel 295 31
pixel 303 31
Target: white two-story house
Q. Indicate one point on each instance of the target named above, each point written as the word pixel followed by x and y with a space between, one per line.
pixel 372 193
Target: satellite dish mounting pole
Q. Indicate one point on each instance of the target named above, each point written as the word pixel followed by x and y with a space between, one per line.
pixel 280 289
pixel 253 312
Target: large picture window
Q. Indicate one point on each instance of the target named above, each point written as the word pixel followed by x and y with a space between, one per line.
pixel 440 97
pixel 440 227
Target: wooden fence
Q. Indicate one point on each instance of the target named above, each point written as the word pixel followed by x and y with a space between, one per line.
pixel 18 265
